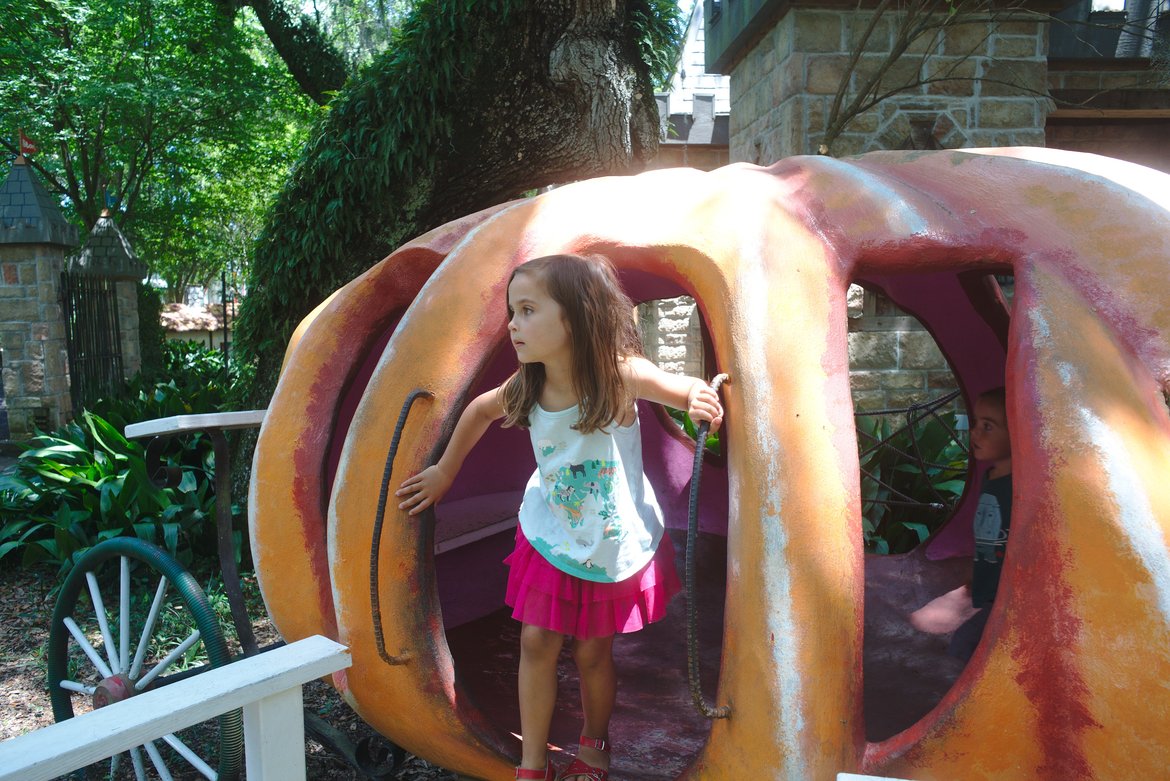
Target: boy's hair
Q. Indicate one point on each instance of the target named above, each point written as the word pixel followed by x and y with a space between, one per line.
pixel 995 395
pixel 599 318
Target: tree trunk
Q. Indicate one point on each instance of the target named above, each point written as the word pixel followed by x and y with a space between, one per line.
pixel 1137 36
pixel 553 92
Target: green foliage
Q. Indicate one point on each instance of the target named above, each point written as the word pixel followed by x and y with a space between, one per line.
pixel 895 488
pixel 366 180
pixel 85 483
pixel 177 111
pixel 712 443
pixel 660 26
pixel 152 337
pixel 375 144
pixel 192 379
pixel 361 29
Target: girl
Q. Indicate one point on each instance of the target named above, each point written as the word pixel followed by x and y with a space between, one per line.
pixel 591 558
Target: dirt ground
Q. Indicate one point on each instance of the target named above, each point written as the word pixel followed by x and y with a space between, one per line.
pixel 26 607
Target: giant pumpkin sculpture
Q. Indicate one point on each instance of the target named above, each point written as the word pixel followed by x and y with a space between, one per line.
pixel 1072 679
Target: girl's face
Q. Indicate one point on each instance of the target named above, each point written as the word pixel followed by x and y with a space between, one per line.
pixel 989 435
pixel 537 327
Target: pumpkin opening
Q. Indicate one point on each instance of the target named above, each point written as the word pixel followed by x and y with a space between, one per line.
pixel 660 730
pixel 906 671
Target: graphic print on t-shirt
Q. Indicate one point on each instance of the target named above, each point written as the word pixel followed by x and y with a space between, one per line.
pixel 990 537
pixel 578 490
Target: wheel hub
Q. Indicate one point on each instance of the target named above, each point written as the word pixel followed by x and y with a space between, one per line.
pixel 113 689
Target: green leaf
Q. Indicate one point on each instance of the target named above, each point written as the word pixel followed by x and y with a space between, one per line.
pixel 171 537
pixel 187 483
pixel 955 487
pixel 919 529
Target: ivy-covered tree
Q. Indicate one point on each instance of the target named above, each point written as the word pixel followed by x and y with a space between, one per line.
pixel 473 103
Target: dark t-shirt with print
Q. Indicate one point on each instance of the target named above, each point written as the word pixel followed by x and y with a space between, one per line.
pixel 993 518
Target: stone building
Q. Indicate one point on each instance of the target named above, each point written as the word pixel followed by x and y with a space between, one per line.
pixel 696 110
pixel 1111 91
pixel 1036 74
pixel 34 237
pixel 66 338
pixel 695 115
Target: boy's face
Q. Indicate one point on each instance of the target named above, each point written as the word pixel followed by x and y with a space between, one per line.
pixel 989 434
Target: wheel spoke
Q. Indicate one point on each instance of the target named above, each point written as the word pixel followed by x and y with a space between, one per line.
pixel 157 760
pixel 108 577
pixel 100 609
pixel 191 757
pixel 124 615
pixel 148 629
pixel 89 650
pixel 80 688
pixel 170 659
pixel 139 768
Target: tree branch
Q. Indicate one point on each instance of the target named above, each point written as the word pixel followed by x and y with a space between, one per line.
pixel 317 66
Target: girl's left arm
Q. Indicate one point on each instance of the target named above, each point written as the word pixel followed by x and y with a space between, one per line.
pixel 674 390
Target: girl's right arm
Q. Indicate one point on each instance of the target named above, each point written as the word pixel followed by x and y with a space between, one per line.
pixel 428 486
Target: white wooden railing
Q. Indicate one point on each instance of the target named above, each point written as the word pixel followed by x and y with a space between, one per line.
pixel 266 686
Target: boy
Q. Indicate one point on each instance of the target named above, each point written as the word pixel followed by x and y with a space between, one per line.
pixel 965 609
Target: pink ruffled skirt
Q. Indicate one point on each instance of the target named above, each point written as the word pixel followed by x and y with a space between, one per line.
pixel 542 595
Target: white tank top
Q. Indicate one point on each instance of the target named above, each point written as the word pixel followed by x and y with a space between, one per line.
pixel 588 508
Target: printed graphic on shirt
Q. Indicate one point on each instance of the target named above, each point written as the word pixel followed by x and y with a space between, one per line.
pixel 990 537
pixel 566 562
pixel 547 447
pixel 576 491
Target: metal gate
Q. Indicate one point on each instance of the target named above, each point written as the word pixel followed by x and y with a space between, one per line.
pixel 92 337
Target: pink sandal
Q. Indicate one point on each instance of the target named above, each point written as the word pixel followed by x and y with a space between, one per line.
pixel 548 774
pixel 580 768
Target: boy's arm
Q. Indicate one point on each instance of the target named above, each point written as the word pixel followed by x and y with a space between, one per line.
pixel 428 486
pixel 689 393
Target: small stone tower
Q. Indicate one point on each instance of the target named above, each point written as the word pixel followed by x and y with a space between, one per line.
pixel 34 237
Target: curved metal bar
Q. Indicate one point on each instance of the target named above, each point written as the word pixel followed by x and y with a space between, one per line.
pixel 376 543
pixel 701 704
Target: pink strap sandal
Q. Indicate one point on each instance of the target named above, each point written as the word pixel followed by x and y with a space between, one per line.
pixel 580 769
pixel 548 774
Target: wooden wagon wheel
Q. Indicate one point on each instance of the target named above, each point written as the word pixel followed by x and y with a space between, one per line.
pixel 105 653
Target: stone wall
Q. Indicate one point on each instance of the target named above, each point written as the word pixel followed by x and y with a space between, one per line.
pixel 672 335
pixel 893 360
pixel 128 336
pixel 985 80
pixel 32 334
pixel 1120 111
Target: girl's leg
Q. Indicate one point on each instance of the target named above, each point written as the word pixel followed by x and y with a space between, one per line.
pixel 594 657
pixel 539 649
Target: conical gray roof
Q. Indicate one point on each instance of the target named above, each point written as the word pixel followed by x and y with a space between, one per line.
pixel 28 214
pixel 107 253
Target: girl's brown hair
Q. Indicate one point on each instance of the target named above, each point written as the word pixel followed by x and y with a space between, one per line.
pixel 600 321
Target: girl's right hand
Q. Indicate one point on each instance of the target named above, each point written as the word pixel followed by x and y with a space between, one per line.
pixel 423 490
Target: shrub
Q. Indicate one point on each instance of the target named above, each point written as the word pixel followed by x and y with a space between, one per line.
pixel 85 483
pixel 904 501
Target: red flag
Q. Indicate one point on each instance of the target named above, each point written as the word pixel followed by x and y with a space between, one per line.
pixel 27 147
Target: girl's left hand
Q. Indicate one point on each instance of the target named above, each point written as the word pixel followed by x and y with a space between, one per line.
pixel 703 404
